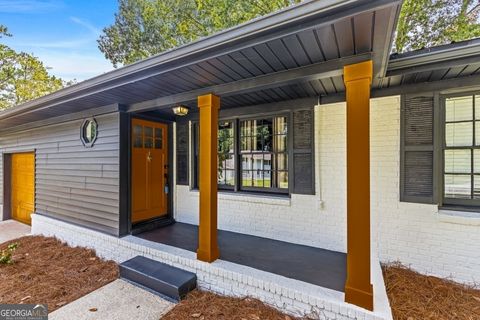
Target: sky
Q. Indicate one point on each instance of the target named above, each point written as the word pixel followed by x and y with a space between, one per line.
pixel 61 33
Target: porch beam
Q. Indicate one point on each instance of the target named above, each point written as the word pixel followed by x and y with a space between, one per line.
pixel 320 70
pixel 207 230
pixel 358 287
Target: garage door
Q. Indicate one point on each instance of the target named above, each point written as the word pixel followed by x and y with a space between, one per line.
pixel 23 186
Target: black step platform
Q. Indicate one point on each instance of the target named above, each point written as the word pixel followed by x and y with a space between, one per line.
pixel 166 280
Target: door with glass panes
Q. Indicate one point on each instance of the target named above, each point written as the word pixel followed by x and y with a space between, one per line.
pixel 149 170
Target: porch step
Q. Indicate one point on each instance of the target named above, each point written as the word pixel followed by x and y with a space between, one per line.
pixel 159 277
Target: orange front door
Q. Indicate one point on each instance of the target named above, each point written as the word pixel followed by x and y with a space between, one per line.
pixel 149 170
pixel 23 186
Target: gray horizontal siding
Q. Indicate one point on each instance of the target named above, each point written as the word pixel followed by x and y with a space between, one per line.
pixel 73 183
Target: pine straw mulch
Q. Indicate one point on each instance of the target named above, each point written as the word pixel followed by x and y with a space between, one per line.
pixel 46 270
pixel 202 305
pixel 415 296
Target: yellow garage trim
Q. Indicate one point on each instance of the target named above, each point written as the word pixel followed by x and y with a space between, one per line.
pixel 23 186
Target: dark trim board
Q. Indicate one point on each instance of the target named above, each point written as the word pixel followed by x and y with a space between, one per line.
pixel 92 112
pixel 125 180
pixel 7 182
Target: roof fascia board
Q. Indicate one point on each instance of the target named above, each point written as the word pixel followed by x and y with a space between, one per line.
pixel 315 71
pixel 385 46
pixel 442 64
pixel 447 54
pixel 256 31
pixel 64 118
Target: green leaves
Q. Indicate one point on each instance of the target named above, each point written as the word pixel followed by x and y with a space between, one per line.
pixel 23 77
pixel 6 255
pixel 427 23
pixel 144 28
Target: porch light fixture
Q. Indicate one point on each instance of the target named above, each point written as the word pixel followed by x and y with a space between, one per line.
pixel 180 110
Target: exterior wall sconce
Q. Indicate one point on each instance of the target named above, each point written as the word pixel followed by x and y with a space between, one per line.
pixel 180 110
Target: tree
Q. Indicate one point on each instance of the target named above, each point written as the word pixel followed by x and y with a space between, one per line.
pixel 143 28
pixel 427 23
pixel 23 77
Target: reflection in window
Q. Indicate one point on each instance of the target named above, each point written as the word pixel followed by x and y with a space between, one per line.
pixel 226 155
pixel 264 153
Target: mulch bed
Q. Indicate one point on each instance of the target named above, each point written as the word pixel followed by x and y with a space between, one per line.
pixel 204 305
pixel 415 296
pixel 46 270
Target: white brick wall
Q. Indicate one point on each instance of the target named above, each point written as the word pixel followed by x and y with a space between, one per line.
pixel 292 296
pixel 414 234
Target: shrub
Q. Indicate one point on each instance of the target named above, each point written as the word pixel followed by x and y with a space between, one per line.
pixel 6 254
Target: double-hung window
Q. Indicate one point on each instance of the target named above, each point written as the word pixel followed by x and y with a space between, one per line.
pixel 461 150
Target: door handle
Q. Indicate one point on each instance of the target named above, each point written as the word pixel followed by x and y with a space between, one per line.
pixel 149 156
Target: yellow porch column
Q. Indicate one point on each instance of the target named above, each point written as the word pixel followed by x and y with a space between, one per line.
pixel 358 288
pixel 207 229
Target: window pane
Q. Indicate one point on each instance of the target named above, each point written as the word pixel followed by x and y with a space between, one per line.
pixel 477 132
pixel 247 178
pixel 247 162
pixel 225 137
pixel 148 132
pixel 267 179
pixel 476 161
pixel 138 143
pixel 267 162
pixel 258 178
pixel 477 107
pixel 282 178
pixel 230 177
pixel 281 125
pixel 158 133
pixel 459 108
pixel 229 161
pixel 246 144
pixel 457 186
pixel 476 187
pixel 137 136
pixel 257 143
pixel 221 176
pixel 137 130
pixel 148 142
pixel 158 143
pixel 458 161
pixel 282 161
pixel 459 134
pixel 280 143
pixel 257 161
pixel 245 128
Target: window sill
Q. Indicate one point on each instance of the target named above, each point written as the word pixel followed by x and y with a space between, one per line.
pixel 261 198
pixel 459 216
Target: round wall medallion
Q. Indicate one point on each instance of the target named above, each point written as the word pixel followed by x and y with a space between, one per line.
pixel 89 132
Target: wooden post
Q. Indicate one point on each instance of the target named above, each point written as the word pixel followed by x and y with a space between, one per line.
pixel 207 229
pixel 358 287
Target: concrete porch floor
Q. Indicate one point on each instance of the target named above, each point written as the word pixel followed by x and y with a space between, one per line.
pixel 309 264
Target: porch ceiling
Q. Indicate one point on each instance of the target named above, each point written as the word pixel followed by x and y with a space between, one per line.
pixel 297 52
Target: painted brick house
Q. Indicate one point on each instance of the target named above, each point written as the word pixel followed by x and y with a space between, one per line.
pixel 309 154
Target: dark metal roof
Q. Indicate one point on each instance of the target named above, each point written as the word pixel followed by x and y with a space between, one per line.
pixel 455 60
pixel 265 60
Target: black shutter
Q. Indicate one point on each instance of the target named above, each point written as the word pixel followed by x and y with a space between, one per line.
pixel 182 144
pixel 303 159
pixel 417 158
